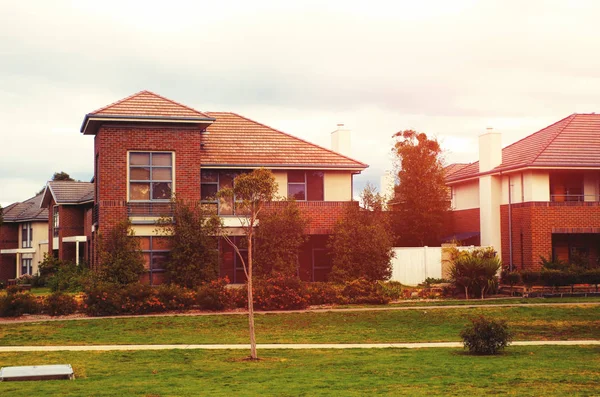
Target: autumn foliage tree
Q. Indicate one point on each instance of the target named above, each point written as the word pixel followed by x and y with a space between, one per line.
pixel 252 192
pixel 421 200
pixel 361 243
pixel 119 255
pixel 279 239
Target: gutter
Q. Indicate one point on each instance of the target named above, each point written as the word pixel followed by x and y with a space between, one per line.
pixel 146 118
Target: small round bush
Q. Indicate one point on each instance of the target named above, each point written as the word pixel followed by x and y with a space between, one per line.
pixel 486 336
pixel 16 303
pixel 214 295
pixel 60 304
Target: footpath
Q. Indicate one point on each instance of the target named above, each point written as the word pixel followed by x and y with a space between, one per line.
pixel 7 349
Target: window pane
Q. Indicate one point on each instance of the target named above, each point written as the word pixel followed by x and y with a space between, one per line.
pixel 209 176
pixel 296 191
pixel 159 259
pixel 139 191
pixel 139 174
pixel 139 158
pixel 210 209
pixel 161 190
pixel 161 159
pixel 161 174
pixel 208 191
pixel 226 180
pixel 314 182
pixel 144 243
pixel 295 176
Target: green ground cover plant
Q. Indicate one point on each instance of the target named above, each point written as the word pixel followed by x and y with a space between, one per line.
pixel 520 371
pixel 531 322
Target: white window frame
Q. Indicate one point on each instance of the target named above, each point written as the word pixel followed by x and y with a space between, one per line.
pixel 150 181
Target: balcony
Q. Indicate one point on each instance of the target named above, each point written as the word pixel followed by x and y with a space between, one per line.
pixel 149 209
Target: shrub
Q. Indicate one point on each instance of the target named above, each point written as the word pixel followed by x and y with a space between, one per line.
pixel 68 277
pixel 475 271
pixel 280 292
pixel 556 278
pixel 214 295
pixel 174 297
pixel 486 336
pixel 138 298
pixel 59 304
pixel 392 289
pixel 15 304
pixel 530 278
pixel 119 255
pixel 324 293
pixel 239 296
pixel 102 299
pixel 591 277
pixel 363 291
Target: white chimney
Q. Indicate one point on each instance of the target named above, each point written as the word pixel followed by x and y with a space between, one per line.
pixel 490 189
pixel 387 181
pixel 490 150
pixel 340 141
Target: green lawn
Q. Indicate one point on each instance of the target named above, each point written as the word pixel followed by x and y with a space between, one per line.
pixel 520 371
pixel 529 322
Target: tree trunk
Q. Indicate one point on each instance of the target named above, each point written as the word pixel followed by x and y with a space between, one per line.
pixel 253 354
pixel 466 293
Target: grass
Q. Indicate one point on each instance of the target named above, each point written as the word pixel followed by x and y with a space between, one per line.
pixel 529 322
pixel 520 371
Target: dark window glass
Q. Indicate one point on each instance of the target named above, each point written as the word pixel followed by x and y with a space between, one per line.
pixel 314 186
pixel 208 191
pixel 150 176
pixel 297 191
pixel 296 177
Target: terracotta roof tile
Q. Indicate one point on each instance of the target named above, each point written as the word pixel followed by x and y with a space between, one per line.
pixel 571 142
pixel 28 210
pixel 452 168
pixel 233 140
pixel 148 104
pixel 71 192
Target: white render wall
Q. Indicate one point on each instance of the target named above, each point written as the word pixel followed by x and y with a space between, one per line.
pixel 465 195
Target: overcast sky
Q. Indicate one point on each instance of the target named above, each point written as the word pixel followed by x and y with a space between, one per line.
pixel 447 68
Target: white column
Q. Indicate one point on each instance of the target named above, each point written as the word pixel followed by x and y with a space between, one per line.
pixel 76 252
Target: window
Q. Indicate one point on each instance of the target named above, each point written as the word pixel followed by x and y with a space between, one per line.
pixel 306 185
pixel 211 181
pixel 55 221
pixel 26 264
pixel 150 176
pixel 26 235
pixel 566 187
pixel 156 253
pixel 321 262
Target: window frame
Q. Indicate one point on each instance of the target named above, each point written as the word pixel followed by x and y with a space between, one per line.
pixel 151 251
pixel 216 200
pixel 55 221
pixel 150 181
pixel 26 235
pixel 305 184
pixel 27 263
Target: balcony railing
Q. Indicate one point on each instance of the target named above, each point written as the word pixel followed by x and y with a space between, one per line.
pixel 560 198
pixel 150 209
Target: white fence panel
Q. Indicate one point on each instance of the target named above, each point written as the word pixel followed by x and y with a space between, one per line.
pixel 412 265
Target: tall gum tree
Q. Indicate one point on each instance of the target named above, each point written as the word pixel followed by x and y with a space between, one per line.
pixel 421 199
pixel 252 192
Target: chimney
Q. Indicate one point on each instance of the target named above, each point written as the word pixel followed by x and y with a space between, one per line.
pixel 490 150
pixel 387 181
pixel 340 141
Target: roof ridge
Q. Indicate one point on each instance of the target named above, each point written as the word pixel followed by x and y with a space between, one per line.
pixel 117 102
pixel 175 102
pixel 294 137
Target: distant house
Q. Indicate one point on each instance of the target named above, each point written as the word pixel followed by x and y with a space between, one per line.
pixel 23 238
pixel 69 214
pixel 537 197
pixel 148 148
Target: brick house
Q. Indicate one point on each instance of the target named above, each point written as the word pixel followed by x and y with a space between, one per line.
pixel 69 216
pixel 23 238
pixel 148 148
pixel 537 197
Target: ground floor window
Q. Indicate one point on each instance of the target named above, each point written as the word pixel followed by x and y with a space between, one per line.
pixel 315 259
pixel 26 266
pixel 231 263
pixel 156 253
pixel 580 249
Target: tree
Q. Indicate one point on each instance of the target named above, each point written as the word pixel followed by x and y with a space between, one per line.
pixel 279 240
pixel 370 199
pixel 61 176
pixel 194 244
pixel 361 244
pixel 119 255
pixel 475 270
pixel 421 200
pixel 252 192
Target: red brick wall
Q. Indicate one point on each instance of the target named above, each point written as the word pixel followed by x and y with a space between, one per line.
pixel 464 221
pixel 321 215
pixel 111 146
pixel 535 221
pixel 9 239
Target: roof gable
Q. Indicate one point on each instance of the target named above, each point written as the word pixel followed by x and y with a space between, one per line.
pixel 68 192
pixel 28 210
pixel 571 142
pixel 233 140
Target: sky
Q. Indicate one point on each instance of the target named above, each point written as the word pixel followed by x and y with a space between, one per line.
pixel 447 68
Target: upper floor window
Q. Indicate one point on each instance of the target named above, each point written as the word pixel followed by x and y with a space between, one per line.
pixel 55 221
pixel 306 185
pixel 26 235
pixel 566 186
pixel 211 181
pixel 150 176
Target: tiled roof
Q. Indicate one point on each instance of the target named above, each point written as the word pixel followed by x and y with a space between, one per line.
pixel 452 168
pixel 148 104
pixel 233 140
pixel 28 210
pixel 70 192
pixel 571 142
